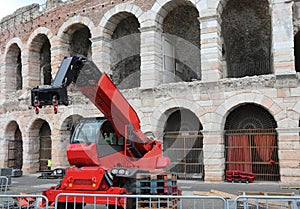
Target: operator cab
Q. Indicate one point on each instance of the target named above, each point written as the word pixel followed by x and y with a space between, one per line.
pixel 98 131
pixel 86 131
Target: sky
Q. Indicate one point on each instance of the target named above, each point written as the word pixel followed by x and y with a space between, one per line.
pixel 9 6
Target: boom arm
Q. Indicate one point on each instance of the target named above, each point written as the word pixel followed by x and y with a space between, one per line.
pixel 101 91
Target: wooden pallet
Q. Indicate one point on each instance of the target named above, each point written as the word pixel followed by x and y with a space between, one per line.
pixel 158 184
pixel 146 203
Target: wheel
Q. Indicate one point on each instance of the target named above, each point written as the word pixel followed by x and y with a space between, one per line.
pixel 131 188
pixel 70 205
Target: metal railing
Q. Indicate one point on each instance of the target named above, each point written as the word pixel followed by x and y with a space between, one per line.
pixel 66 200
pixel 3 184
pixel 253 151
pixel 185 150
pixel 89 201
pixel 268 202
pixel 23 201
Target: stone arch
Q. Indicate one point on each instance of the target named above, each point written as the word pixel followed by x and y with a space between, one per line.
pixel 251 143
pixel 45 152
pixel 39 144
pixel 74 111
pixel 246 33
pixel 125 53
pixel 13 145
pixel 182 119
pixel 75 35
pixel 66 129
pixel 12 41
pixel 105 29
pixel 239 121
pixel 222 3
pixel 69 123
pixel 183 143
pixel 41 30
pixel 13 75
pixel 165 109
pixel 163 7
pixel 75 20
pixel 111 18
pixel 231 103
pixel 38 63
pixel 180 41
pixel 121 29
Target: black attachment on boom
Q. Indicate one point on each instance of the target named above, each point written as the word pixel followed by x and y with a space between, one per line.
pixel 56 94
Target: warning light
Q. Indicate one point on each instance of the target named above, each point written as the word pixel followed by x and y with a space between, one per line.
pixel 70 184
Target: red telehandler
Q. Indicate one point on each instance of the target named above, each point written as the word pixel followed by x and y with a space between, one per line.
pixel 106 153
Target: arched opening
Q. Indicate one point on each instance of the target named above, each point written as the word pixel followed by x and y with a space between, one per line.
pixel 13 75
pixel 183 144
pixel 39 63
pixel 45 63
pixel 66 132
pixel 181 44
pixel 125 52
pixel 251 142
pixel 246 31
pixel 45 146
pixel 15 146
pixel 80 43
pixel 69 125
pixel 297 51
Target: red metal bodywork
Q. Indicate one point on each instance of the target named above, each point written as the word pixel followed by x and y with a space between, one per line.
pixel 109 100
pixel 89 177
pixel 87 155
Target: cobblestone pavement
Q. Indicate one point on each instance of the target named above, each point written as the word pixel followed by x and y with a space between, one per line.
pixel 31 184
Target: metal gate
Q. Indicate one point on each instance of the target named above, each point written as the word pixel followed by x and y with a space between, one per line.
pixel 15 152
pixel 253 151
pixel 45 146
pixel 185 150
pixel 45 151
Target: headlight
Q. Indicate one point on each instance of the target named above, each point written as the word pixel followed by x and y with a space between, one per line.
pixel 121 172
pixel 114 171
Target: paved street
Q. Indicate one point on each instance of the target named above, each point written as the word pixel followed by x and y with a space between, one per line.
pixel 32 185
pixel 233 188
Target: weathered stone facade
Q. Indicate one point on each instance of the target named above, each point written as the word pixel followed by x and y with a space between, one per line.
pixel 184 57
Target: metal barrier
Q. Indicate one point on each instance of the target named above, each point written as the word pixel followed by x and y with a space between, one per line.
pixel 266 202
pixel 79 201
pixel 93 201
pixel 3 184
pixel 23 201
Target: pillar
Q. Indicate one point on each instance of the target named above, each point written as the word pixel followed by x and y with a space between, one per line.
pixel 289 155
pixel 59 50
pixel 31 145
pixel 151 56
pixel 60 141
pixel 283 37
pixel 213 154
pixel 101 47
pixel 211 48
